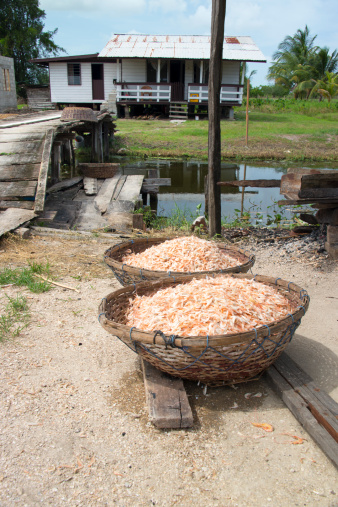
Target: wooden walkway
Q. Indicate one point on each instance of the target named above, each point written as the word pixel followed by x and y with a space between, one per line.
pixel 28 149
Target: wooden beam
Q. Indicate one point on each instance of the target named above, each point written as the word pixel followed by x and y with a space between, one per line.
pixel 16 204
pixel 163 182
pixel 167 400
pixel 251 183
pixel 147 188
pixel 61 185
pixel 44 166
pixel 214 113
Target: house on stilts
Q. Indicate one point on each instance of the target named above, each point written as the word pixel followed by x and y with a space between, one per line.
pixel 164 74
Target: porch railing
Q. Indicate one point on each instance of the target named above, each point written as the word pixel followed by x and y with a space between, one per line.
pixel 141 92
pixel 198 93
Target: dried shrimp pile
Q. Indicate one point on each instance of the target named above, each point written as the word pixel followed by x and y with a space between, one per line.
pixel 212 306
pixel 187 254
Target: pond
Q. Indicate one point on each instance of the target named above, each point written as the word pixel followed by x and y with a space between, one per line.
pixel 187 187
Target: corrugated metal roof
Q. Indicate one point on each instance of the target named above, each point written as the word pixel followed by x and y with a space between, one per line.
pixel 180 47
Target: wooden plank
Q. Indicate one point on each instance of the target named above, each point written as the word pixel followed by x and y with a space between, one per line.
pixel 9 136
pixel 106 193
pixel 167 400
pixel 294 200
pixel 251 183
pixel 147 188
pixel 318 193
pixel 301 412
pixel 13 218
pixel 22 147
pixel 17 188
pixel 163 182
pixel 314 398
pixel 131 188
pixel 16 204
pixel 44 166
pixel 22 158
pixel 19 172
pixel 62 185
pixel 320 180
pixel 119 187
pixel 90 185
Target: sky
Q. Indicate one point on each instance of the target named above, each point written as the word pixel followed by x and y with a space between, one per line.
pixel 85 26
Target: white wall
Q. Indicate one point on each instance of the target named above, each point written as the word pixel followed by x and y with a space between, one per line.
pixel 134 70
pixel 61 91
pixel 230 72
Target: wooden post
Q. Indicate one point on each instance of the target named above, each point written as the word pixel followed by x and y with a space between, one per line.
pixel 106 139
pixel 247 112
pixel 56 162
pixel 214 140
pixel 243 188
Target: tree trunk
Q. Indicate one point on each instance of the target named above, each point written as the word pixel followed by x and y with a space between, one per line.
pixel 214 140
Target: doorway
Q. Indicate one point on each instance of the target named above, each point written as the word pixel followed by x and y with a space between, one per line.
pixel 97 81
pixel 177 74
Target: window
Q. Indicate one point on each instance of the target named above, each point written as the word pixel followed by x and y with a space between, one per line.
pixel 7 81
pixel 74 73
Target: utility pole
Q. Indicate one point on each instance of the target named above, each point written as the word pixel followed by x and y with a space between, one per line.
pixel 214 139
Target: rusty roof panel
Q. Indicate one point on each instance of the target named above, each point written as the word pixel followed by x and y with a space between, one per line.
pixel 180 47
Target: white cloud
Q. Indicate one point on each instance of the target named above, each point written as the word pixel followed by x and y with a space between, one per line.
pixel 199 22
pixel 110 7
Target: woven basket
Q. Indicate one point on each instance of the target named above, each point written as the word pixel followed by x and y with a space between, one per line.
pixel 99 170
pixel 128 274
pixel 213 360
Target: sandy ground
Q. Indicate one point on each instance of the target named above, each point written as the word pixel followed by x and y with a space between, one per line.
pixel 73 423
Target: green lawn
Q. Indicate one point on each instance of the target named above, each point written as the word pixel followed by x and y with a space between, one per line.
pixel 276 135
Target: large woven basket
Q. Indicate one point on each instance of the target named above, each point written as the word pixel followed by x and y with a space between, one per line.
pixel 213 360
pixel 126 274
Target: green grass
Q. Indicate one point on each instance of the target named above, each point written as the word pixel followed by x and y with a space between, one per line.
pixel 15 317
pixel 24 277
pixel 273 134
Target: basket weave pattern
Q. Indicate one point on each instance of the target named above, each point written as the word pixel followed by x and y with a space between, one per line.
pixel 214 360
pixel 127 275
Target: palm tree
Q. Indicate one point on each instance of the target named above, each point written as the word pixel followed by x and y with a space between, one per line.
pixel 327 88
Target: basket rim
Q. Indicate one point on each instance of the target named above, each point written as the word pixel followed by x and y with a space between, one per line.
pixel 159 338
pixel 250 259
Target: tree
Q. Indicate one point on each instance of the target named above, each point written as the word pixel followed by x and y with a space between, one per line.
pixel 299 64
pixel 22 37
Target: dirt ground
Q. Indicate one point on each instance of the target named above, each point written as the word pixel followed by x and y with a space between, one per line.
pixel 74 428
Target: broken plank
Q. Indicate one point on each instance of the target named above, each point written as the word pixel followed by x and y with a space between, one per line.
pixel 251 183
pixel 297 406
pixel 131 188
pixel 316 181
pixel 19 172
pixel 167 400
pixel 17 188
pixel 106 193
pixel 44 166
pixel 62 185
pixel 90 185
pixel 13 218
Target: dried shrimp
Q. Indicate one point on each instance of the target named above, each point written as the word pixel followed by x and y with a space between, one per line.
pixel 186 254
pixel 209 306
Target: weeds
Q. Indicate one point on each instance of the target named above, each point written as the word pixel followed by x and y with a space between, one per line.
pixel 15 317
pixel 24 277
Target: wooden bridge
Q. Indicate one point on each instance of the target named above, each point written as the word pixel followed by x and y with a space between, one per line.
pixel 32 151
